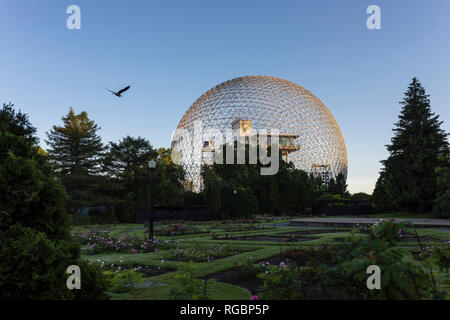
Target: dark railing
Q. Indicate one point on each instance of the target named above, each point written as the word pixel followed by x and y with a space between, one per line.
pixel 341 207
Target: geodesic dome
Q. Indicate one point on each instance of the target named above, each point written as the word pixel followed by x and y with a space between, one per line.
pixel 267 103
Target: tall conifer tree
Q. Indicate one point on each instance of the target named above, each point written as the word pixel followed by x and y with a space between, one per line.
pixel 408 180
pixel 76 151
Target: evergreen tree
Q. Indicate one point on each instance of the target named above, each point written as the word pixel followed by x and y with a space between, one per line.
pixel 35 240
pixel 380 195
pixel 305 191
pixel 338 185
pixel 17 123
pixel 408 181
pixel 28 185
pixel 341 186
pixel 76 152
pixel 75 147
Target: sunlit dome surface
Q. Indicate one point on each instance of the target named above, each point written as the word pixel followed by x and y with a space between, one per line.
pixel 269 103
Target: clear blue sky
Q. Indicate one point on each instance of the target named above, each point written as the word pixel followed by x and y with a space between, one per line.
pixel 171 52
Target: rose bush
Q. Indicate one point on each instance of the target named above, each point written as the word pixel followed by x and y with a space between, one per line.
pixel 101 242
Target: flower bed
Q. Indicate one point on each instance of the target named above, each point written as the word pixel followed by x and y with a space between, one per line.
pixel 176 230
pixel 439 254
pixel 269 238
pixel 146 270
pixel 340 271
pixel 201 254
pixel 324 255
pixel 102 242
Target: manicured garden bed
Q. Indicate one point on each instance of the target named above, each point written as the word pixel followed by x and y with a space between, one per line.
pixel 236 260
pixel 146 270
pixel 202 254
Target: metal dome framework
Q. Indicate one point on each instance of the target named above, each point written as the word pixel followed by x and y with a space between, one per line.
pixel 269 103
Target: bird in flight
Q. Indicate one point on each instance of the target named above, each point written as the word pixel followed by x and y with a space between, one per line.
pixel 119 93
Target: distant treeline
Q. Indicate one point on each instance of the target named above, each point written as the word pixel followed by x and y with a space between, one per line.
pixel 112 181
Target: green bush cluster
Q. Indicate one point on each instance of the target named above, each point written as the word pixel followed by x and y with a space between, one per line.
pixel 35 240
pixel 240 190
pixel 33 266
pixel 240 202
pixel 400 278
pixel 124 282
pixel 188 288
pixel 341 271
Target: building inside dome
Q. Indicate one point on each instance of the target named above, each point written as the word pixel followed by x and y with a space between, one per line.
pixel 309 135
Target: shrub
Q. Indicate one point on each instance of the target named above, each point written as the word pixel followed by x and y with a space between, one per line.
pixel 35 246
pixel 441 208
pixel 311 256
pixel 400 279
pixel 202 253
pixel 361 196
pixel 386 231
pixel 176 230
pixel 342 269
pixel 188 288
pixel 30 195
pixel 240 202
pixel 281 283
pixel 102 242
pixel 124 281
pixel 439 255
pixel 94 283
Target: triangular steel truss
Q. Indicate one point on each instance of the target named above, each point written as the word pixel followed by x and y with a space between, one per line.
pixel 269 103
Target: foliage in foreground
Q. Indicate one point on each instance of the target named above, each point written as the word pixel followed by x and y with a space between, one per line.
pixel 340 271
pixel 241 191
pixel 35 246
pixel 188 288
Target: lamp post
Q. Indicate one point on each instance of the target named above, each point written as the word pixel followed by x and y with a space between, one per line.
pixel 151 165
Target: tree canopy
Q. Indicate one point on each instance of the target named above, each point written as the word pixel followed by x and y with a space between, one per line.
pixel 76 151
pixel 240 189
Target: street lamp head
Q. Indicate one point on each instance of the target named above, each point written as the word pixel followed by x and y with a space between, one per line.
pixel 152 164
